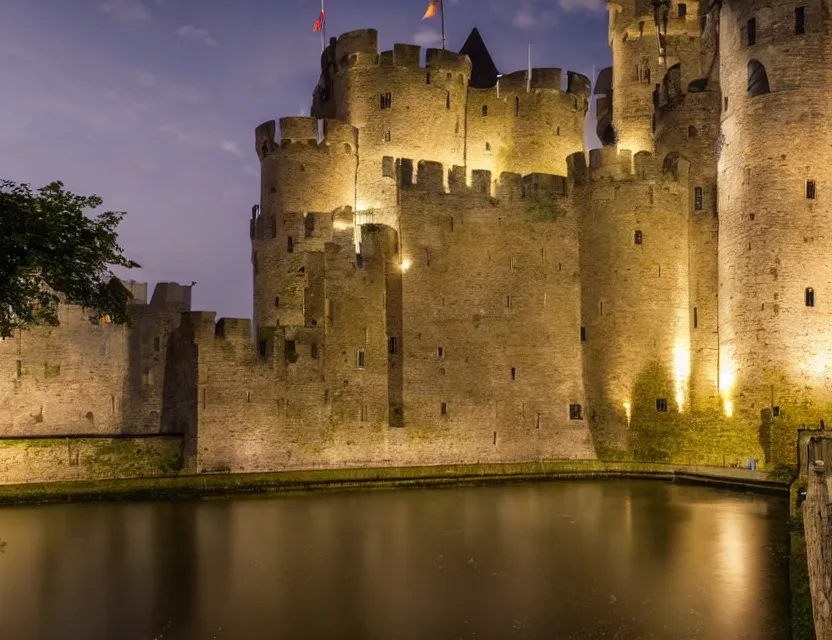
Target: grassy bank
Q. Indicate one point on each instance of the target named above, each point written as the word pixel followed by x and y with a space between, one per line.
pixel 203 485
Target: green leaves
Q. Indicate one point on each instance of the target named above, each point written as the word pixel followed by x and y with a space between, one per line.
pixel 50 251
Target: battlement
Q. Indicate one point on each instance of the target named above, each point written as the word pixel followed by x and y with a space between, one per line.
pixel 612 163
pixel 513 186
pixel 171 294
pixel 303 131
pixel 360 49
pixel 544 79
pixel 236 329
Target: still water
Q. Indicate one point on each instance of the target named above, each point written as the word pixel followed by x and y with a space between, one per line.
pixel 611 559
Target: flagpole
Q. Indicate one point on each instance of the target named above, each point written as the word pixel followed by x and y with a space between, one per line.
pixel 442 11
pixel 323 27
pixel 529 76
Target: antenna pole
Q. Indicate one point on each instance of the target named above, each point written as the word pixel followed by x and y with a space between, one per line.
pixel 323 27
pixel 442 12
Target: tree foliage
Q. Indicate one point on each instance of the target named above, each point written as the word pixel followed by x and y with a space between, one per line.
pixel 51 252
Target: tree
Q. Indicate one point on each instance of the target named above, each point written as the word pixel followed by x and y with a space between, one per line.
pixel 51 252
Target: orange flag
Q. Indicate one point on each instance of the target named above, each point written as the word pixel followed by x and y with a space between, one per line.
pixel 431 9
pixel 320 23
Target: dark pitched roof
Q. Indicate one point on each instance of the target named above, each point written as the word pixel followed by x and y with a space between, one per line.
pixel 483 70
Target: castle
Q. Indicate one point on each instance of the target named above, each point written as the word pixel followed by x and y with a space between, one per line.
pixel 442 275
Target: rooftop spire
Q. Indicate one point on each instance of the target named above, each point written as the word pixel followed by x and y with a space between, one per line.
pixel 483 70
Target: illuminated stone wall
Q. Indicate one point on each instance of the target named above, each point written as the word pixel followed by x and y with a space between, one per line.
pixel 774 349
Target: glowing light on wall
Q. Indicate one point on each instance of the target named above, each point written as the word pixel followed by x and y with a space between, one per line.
pixel 406 264
pixel 628 411
pixel 340 225
pixel 681 373
pixel 727 379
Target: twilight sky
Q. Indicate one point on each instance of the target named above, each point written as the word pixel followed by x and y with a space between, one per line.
pixel 152 104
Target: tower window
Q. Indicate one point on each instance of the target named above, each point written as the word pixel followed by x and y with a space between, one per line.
pixel 683 9
pixel 583 334
pixel 697 199
pixel 290 245
pixel 757 79
pixel 638 237
pixel 692 131
pixel 443 409
pixel 725 104
pixel 488 146
pixel 484 110
pixel 811 190
pixel 388 136
pixel 800 21
pixel 261 348
pixel 157 344
pixel 448 100
pixel 751 31
pixel 516 106
pixel 508 302
pixel 393 345
pixel 695 318
pixel 810 297
pixel 277 301
pixel 427 78
pixel 661 405
pixel 440 353
pixel 361 358
pixel 576 412
pixel 513 373
pixel 386 100
pixel 313 351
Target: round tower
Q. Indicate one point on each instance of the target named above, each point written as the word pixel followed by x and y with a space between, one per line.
pixel 307 185
pixel 687 127
pixel 401 109
pixel 648 37
pixel 775 274
pixel 527 125
pixel 634 279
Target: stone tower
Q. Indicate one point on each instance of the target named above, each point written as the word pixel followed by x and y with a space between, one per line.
pixel 307 186
pixel 775 274
pixel 647 38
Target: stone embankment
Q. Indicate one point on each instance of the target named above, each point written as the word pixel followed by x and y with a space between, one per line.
pixel 817 525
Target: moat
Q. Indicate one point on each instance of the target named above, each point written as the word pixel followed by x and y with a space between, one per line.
pixel 569 560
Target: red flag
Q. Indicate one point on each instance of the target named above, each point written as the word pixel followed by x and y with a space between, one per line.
pixel 431 9
pixel 320 23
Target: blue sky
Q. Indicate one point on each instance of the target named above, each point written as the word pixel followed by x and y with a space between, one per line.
pixel 152 104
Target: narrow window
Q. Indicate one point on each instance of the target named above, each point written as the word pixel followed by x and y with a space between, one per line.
pixel 683 9
pixel 508 302
pixel 488 146
pixel 697 199
pixel 290 245
pixel 811 190
pixel 752 216
pixel 157 344
pixel 448 100
pixel 248 396
pixel 261 348
pixel 583 334
pixel 516 106
pixel 360 358
pixel 661 405
pixel 537 421
pixel 359 261
pixel 600 308
pixel 513 373
pixel 313 350
pixel 692 131
pixel 484 110
pixel 386 100
pixel 427 78
pixel 440 353
pixel 557 133
pixel 452 222
pixel 393 345
pixel 575 412
pixel 364 413
pixel 388 136
pixel 775 412
pixel 757 79
pixel 810 297
pixel 751 32
pixel 638 237
pixel 309 225
pixel 725 104
pixel 800 21
pixel 695 318
pixel 427 257
pixel 443 409
pixel 277 301
pixel 19 366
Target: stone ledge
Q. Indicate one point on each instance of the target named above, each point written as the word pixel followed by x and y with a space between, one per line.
pixel 304 480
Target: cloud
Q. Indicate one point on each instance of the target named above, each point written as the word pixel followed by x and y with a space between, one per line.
pixel 524 18
pixel 197 34
pixel 252 171
pixel 126 10
pixel 199 140
pixel 570 6
pixel 531 16
pixel 231 147
pixel 426 37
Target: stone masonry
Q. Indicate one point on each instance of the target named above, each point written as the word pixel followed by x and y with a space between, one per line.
pixel 442 274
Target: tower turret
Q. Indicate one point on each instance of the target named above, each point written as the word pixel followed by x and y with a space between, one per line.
pixel 775 289
pixel 648 37
pixel 307 190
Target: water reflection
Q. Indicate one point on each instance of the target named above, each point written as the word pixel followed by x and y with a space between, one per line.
pixel 615 559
